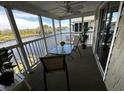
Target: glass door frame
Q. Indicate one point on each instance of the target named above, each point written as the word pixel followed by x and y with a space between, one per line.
pixel 103 37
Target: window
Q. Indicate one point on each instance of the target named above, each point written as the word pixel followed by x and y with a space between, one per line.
pixel 57 31
pixel 114 20
pixel 7 37
pixel 65 30
pixel 76 25
pixel 108 20
pixel 49 33
pixel 114 16
pixel 57 28
pixel 28 25
pixel 65 26
pixel 89 20
pixel 48 27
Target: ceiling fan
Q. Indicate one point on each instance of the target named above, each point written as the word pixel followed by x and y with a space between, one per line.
pixel 71 7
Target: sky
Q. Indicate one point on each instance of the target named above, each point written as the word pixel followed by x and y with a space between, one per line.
pixel 23 20
pixel 4 24
pixel 26 21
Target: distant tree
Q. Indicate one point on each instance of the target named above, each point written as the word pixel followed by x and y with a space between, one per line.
pixel 0 33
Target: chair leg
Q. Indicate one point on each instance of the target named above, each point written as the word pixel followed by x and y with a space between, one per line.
pixel 67 77
pixel 27 84
pixel 79 51
pixel 71 56
pixel 45 82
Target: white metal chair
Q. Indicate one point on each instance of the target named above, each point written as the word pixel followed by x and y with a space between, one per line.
pixel 76 42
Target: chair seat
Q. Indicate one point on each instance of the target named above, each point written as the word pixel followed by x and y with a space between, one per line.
pixel 54 64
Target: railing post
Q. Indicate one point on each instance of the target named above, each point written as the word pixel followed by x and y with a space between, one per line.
pixel 54 30
pixel 41 26
pixel 18 38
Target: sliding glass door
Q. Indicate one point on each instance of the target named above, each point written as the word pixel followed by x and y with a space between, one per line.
pixel 108 18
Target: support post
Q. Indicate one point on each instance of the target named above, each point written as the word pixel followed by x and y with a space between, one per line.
pixel 18 38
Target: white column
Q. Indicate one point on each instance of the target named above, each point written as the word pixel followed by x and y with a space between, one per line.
pixel 41 26
pixel 18 38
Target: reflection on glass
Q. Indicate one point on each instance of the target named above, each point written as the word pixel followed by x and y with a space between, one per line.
pixel 113 21
pixel 114 16
pixel 27 24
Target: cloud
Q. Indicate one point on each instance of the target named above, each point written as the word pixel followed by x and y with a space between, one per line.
pixel 4 23
pixel 65 23
pixel 24 15
pixel 26 24
pixel 25 20
pixel 21 23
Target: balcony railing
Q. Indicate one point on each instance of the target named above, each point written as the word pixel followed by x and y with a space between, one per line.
pixel 35 49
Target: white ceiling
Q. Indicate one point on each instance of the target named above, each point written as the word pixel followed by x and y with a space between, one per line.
pixel 55 9
pixel 58 8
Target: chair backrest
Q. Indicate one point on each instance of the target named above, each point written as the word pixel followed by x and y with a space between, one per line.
pixel 52 63
pixel 76 40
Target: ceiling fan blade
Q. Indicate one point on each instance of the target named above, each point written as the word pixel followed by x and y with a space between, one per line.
pixel 69 6
pixel 77 7
pixel 66 14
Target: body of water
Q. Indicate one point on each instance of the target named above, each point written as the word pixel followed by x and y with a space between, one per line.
pixel 14 42
pixel 51 43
